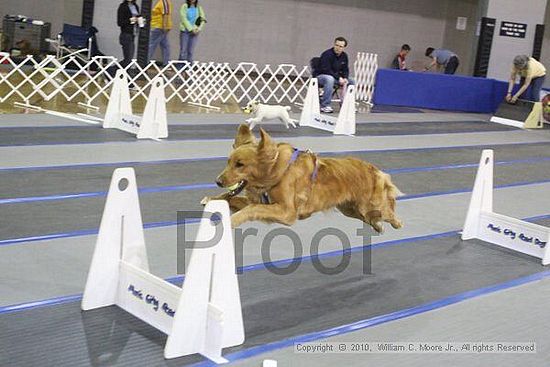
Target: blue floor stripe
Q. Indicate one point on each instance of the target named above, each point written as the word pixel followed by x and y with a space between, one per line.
pixel 86 232
pixel 203 186
pixel 199 159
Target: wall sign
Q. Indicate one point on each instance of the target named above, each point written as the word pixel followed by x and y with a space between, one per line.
pixel 461 23
pixel 511 29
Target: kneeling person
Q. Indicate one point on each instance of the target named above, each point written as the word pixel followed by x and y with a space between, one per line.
pixel 532 73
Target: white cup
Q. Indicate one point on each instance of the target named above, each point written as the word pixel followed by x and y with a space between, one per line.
pixel 141 22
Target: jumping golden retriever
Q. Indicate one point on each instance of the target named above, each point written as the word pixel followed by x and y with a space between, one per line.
pixel 282 184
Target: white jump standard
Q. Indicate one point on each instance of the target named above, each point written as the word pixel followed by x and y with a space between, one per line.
pixel 153 124
pixel 204 315
pixel 482 223
pixel 311 116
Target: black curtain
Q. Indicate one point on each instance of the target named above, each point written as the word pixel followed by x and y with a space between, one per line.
pixel 143 39
pixel 87 13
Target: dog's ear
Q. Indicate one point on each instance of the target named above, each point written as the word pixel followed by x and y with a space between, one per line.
pixel 267 147
pixel 244 136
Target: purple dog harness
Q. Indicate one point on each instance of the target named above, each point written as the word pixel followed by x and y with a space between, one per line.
pixel 295 154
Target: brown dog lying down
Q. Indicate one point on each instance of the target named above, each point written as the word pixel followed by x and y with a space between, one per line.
pixel 283 184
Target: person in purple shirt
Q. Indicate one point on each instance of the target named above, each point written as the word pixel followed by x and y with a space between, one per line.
pixel 333 68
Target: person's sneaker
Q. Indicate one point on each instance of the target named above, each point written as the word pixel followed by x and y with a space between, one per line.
pixel 327 109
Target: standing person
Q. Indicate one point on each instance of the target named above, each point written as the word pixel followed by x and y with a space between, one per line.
pixel 532 73
pixel 442 58
pixel 192 22
pixel 127 17
pixel 333 68
pixel 161 23
pixel 399 60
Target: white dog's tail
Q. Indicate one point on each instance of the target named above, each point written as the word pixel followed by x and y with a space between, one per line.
pixel 288 108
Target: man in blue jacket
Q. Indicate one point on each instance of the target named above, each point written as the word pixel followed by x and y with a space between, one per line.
pixel 333 68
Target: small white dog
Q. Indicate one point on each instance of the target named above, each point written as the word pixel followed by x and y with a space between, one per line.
pixel 264 111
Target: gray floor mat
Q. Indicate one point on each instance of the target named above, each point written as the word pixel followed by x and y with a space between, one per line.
pixel 94 134
pixel 38 182
pixel 275 307
pixel 84 214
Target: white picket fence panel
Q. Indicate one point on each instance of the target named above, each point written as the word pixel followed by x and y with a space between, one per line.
pixel 365 67
pixel 201 83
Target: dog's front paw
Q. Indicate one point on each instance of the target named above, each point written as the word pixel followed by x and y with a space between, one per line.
pixel 237 219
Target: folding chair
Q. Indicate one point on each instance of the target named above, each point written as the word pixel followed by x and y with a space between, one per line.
pixel 73 41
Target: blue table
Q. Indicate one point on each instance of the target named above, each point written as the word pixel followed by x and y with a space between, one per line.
pixel 438 91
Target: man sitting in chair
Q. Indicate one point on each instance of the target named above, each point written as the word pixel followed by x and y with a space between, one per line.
pixel 333 69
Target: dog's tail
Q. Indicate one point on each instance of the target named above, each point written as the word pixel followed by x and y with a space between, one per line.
pixel 288 108
pixel 391 189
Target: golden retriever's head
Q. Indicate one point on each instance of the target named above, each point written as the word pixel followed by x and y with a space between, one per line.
pixel 250 163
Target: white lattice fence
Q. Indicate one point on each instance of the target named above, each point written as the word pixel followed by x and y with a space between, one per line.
pixel 283 83
pixel 21 80
pixel 202 83
pixel 365 67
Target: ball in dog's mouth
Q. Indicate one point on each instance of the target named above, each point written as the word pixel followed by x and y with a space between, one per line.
pixel 236 188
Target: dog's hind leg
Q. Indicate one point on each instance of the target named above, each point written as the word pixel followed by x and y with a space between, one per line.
pixel 388 212
pixel 372 218
pixel 349 210
pixel 291 122
pixel 287 120
pixel 388 209
pixel 370 206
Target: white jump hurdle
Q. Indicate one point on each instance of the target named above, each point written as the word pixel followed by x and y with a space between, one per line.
pixel 153 124
pixel 204 315
pixel 482 223
pixel 311 116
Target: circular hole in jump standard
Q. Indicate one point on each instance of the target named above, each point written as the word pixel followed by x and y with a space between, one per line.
pixel 123 184
pixel 216 218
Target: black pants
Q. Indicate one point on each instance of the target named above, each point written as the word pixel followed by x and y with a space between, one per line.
pixel 126 40
pixel 451 66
